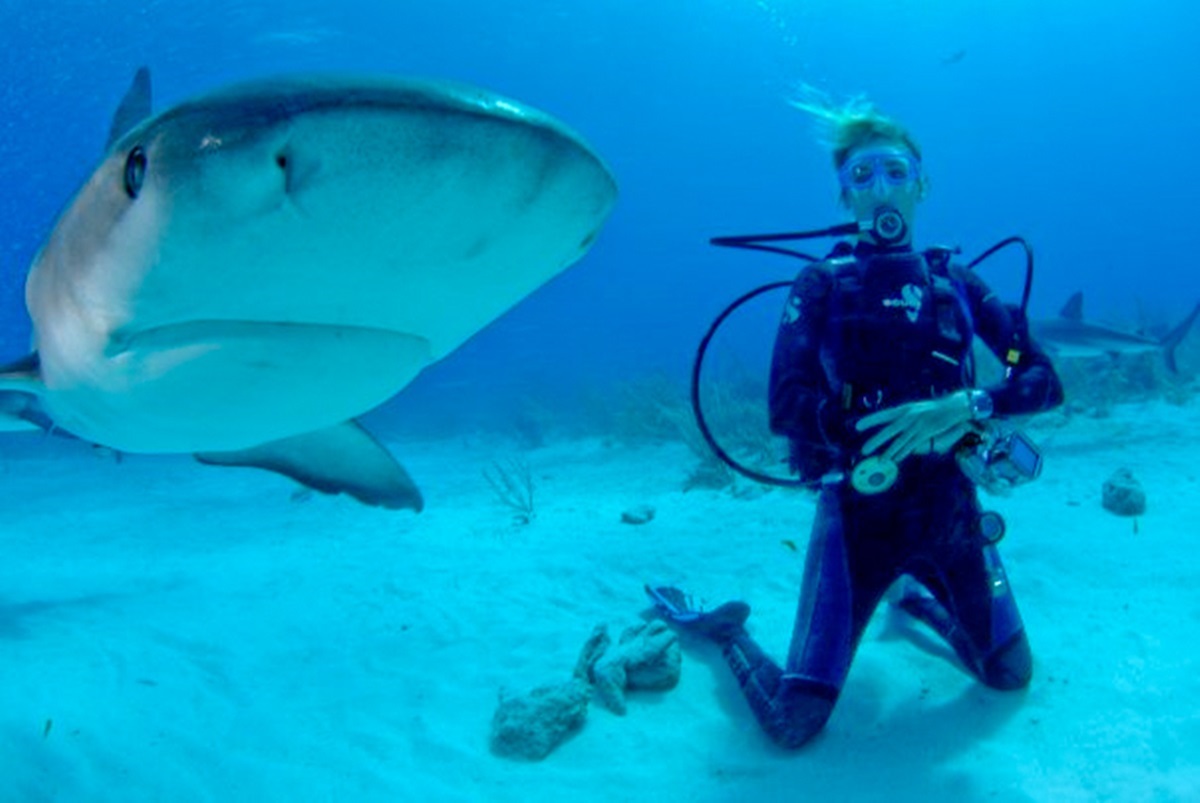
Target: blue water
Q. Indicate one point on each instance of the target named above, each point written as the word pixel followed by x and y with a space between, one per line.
pixel 1071 123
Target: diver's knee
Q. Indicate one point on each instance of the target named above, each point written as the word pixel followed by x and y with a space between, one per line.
pixel 1010 667
pixel 801 715
pixel 801 730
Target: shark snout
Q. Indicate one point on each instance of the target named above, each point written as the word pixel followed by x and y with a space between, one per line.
pixel 239 179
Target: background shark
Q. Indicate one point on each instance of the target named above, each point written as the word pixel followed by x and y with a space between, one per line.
pixel 245 273
pixel 1069 335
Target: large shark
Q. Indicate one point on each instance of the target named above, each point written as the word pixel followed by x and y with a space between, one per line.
pixel 1069 335
pixel 246 273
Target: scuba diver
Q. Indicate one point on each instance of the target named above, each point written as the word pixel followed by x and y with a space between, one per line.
pixel 873 384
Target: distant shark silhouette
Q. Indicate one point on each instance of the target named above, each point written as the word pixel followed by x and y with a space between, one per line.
pixel 247 272
pixel 954 58
pixel 1069 335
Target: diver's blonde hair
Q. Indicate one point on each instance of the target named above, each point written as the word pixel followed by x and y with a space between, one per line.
pixel 846 126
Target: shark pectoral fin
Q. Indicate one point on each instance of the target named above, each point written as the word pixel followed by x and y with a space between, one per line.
pixel 20 412
pixel 23 376
pixel 341 459
pixel 20 391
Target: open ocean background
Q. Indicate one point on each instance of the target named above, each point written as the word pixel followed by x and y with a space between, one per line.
pixel 172 632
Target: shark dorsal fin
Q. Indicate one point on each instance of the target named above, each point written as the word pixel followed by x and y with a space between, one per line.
pixel 1073 309
pixel 134 108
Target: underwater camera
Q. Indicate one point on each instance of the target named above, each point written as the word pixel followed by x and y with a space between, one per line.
pixel 997 459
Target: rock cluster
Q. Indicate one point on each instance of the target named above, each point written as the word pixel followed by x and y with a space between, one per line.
pixel 646 657
pixel 530 726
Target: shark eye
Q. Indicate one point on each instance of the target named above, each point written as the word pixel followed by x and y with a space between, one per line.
pixel 135 171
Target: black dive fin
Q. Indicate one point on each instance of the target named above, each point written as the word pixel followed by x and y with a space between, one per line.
pixel 1175 337
pixel 342 459
pixel 1073 309
pixel 134 108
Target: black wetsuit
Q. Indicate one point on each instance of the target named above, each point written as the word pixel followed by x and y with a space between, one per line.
pixel 863 331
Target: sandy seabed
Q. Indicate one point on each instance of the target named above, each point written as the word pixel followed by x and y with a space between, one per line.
pixel 173 632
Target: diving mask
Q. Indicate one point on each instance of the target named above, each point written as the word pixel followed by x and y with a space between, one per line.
pixel 895 167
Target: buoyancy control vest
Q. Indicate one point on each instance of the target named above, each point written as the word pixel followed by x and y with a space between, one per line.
pixel 893 327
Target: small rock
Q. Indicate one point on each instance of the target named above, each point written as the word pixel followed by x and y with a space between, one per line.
pixel 709 475
pixel 530 726
pixel 748 492
pixel 1123 495
pixel 640 514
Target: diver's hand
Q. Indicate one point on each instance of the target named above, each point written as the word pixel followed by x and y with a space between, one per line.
pixel 918 427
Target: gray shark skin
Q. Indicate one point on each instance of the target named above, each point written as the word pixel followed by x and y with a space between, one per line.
pixel 250 269
pixel 1069 335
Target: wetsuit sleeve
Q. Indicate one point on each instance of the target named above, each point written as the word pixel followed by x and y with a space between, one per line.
pixel 799 396
pixel 1031 384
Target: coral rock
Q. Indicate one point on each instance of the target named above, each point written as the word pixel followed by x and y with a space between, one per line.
pixel 596 645
pixel 531 726
pixel 639 514
pixel 647 657
pixel 1122 494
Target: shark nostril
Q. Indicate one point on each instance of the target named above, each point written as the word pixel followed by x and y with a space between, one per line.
pixel 297 169
pixel 285 163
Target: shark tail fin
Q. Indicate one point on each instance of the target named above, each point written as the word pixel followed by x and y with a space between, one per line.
pixel 1176 336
